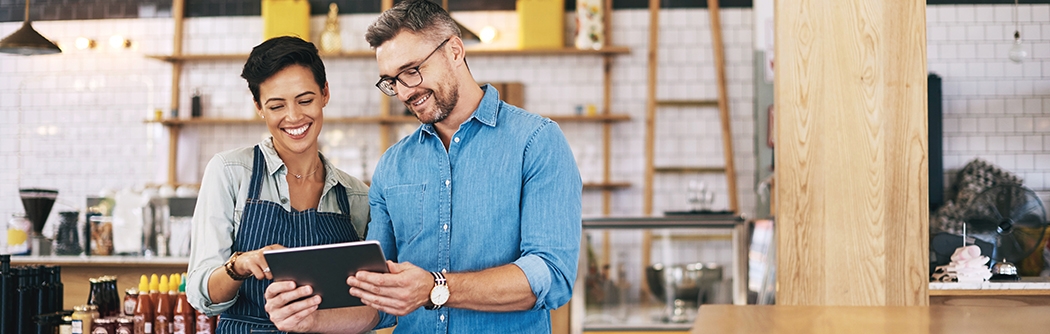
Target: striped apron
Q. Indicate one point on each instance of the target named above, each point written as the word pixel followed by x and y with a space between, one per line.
pixel 264 223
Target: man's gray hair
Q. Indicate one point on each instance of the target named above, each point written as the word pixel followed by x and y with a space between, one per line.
pixel 418 16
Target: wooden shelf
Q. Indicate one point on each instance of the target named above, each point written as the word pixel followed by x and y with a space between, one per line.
pixel 687 103
pixel 611 50
pixel 681 169
pixel 593 118
pixel 606 185
pixel 369 120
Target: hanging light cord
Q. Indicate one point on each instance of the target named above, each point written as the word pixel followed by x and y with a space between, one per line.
pixel 1017 29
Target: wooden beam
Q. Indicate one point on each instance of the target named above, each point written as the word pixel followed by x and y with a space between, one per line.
pixel 723 104
pixel 852 197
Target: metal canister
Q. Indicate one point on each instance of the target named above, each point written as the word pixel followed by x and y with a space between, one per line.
pixel 104 326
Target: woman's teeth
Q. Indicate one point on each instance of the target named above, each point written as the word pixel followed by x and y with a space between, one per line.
pixel 297 131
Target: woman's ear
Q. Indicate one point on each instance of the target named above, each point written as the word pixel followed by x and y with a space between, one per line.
pixel 258 110
pixel 324 94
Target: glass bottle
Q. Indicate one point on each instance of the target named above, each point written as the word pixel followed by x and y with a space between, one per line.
pixel 162 308
pixel 144 309
pixel 7 294
pixel 204 324
pixel 183 314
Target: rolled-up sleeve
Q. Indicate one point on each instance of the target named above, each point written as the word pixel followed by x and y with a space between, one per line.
pixel 551 208
pixel 212 235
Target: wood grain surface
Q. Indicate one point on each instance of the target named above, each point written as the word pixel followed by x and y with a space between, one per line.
pixel 851 159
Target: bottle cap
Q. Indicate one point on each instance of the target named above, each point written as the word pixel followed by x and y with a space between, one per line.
pixel 173 282
pixel 144 284
pixel 163 286
pixel 154 283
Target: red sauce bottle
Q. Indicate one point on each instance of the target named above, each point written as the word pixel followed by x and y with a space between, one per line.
pixel 144 309
pixel 162 308
pixel 183 315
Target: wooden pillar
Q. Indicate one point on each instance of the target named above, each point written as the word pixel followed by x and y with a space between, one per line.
pixel 851 159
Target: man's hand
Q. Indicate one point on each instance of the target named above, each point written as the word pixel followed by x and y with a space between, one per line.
pixel 286 312
pixel 402 291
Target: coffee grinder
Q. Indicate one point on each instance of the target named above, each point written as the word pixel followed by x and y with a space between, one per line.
pixel 38 203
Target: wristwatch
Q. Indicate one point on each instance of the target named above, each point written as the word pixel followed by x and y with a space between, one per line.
pixel 439 294
pixel 229 268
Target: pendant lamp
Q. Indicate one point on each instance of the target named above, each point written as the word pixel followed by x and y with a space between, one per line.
pixel 27 41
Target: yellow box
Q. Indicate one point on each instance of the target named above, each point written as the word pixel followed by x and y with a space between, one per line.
pixel 541 24
pixel 286 18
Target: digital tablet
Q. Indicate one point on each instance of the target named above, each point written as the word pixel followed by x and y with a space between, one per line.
pixel 326 267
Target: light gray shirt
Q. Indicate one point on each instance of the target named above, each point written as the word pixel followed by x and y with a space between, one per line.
pixel 217 217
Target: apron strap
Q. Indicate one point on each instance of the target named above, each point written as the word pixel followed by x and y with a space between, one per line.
pixel 258 172
pixel 344 204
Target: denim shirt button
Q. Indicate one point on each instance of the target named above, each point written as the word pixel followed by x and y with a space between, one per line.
pixel 448 182
pixel 455 139
pixel 445 227
pixel 442 317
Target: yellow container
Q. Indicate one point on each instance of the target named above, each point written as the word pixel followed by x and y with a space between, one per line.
pixel 286 18
pixel 541 24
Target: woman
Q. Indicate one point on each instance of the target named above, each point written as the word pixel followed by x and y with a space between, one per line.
pixel 279 193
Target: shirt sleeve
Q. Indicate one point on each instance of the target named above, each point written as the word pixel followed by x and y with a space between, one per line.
pixel 212 233
pixel 551 208
pixel 380 228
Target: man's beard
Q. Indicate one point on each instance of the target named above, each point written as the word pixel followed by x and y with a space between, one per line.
pixel 443 105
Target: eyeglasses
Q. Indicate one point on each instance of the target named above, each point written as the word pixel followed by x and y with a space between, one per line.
pixel 409 78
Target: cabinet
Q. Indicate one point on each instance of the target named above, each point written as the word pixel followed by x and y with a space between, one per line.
pixel 384 120
pixel 621 265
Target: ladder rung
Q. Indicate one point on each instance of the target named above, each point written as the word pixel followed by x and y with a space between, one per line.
pixel 712 169
pixel 687 103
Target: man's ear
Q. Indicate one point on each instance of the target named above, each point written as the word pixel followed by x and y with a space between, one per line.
pixel 458 50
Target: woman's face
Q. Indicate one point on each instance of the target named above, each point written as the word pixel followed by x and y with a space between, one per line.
pixel 292 106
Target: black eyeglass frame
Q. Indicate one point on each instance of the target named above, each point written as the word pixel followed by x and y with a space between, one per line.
pixel 387 84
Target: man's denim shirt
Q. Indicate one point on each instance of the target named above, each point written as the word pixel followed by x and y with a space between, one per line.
pixel 506 191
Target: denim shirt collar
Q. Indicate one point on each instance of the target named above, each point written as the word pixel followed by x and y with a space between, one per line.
pixel 486 112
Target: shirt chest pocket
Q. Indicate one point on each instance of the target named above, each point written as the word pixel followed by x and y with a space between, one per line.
pixel 404 203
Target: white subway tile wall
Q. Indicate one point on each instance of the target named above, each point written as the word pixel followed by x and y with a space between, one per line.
pixel 994 109
pixel 76 120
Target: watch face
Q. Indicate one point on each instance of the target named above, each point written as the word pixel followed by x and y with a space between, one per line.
pixel 439 295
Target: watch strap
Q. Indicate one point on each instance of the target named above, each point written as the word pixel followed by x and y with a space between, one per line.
pixel 439 280
pixel 229 268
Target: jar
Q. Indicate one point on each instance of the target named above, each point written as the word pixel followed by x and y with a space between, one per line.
pixel 102 235
pixel 83 318
pixel 125 325
pixel 131 298
pixel 66 327
pixel 104 326
pixel 18 231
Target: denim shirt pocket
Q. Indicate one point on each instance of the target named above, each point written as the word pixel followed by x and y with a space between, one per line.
pixel 404 204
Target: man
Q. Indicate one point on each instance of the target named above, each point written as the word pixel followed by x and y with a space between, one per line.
pixel 480 207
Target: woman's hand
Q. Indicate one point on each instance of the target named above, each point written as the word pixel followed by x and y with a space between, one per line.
pixel 255 263
pixel 289 313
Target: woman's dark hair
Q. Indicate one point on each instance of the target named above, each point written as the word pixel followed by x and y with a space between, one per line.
pixel 274 55
pixel 418 16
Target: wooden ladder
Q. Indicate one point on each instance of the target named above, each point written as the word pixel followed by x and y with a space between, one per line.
pixel 729 169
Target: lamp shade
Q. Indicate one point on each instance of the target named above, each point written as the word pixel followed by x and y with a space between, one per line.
pixel 27 41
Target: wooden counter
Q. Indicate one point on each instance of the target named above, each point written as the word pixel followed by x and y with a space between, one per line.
pixel 77 270
pixel 871 319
